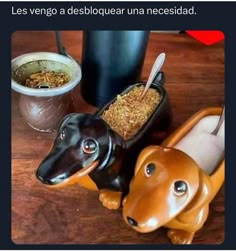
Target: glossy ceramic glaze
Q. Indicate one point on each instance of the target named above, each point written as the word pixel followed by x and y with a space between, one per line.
pixel 83 144
pixel 88 152
pixel 169 188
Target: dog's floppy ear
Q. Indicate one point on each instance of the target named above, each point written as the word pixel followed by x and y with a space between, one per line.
pixel 202 196
pixel 143 156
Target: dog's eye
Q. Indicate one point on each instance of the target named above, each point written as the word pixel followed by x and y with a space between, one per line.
pixel 180 187
pixel 150 169
pixel 62 134
pixel 89 145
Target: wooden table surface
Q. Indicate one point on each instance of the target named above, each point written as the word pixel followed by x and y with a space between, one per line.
pixel 74 215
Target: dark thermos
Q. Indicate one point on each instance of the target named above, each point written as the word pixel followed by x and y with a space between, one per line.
pixel 111 60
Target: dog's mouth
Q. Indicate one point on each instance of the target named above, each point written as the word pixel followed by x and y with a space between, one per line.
pixel 64 168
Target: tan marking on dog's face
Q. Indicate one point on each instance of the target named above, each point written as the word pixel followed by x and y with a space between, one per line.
pixel 80 177
pixel 164 184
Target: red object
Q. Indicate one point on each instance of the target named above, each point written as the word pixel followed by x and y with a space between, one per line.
pixel 206 37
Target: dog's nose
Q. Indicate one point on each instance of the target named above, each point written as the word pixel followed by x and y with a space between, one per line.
pixel 43 180
pixel 132 222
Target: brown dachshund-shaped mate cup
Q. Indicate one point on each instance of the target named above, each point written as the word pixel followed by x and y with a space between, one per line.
pixel 170 189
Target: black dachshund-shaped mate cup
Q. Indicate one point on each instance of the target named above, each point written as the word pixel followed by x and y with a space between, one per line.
pixel 88 152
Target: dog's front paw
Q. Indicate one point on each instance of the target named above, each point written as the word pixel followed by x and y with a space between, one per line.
pixel 180 236
pixel 110 199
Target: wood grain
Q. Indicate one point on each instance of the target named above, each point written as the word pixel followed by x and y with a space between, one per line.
pixel 194 80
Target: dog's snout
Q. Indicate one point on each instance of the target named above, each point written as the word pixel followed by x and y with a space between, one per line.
pixel 42 179
pixel 132 222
